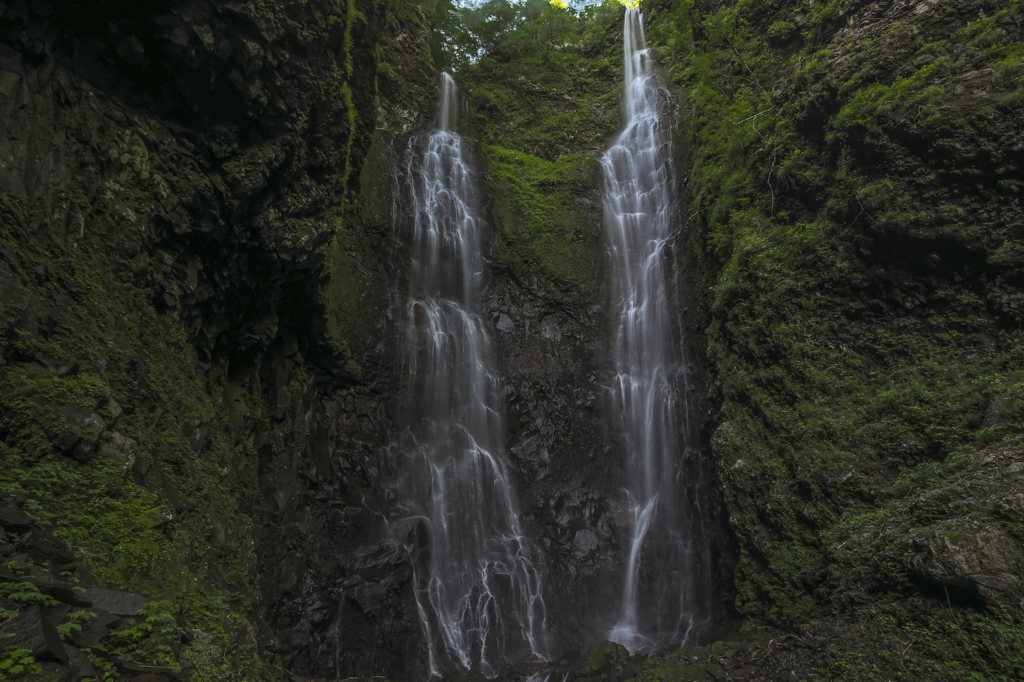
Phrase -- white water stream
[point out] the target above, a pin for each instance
(482, 603)
(661, 604)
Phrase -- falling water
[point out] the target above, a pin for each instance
(481, 603)
(664, 597)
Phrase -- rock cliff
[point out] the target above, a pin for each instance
(204, 218)
(187, 401)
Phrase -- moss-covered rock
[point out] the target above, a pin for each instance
(546, 218)
(602, 659)
(549, 88)
(171, 184)
(853, 224)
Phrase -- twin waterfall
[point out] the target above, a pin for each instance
(484, 605)
(481, 600)
(662, 600)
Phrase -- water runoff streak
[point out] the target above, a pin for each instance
(481, 603)
(663, 603)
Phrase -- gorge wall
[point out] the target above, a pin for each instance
(192, 383)
(855, 187)
(204, 218)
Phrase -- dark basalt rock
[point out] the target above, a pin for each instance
(79, 664)
(44, 547)
(56, 613)
(14, 521)
(115, 602)
(69, 593)
(30, 629)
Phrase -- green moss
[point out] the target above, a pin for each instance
(342, 296)
(971, 645)
(149, 537)
(878, 104)
(602, 659)
(669, 672)
(845, 391)
(549, 88)
(543, 228)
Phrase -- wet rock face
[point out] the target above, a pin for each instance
(228, 326)
(551, 353)
(199, 107)
(171, 180)
(549, 336)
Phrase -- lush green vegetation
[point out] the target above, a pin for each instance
(547, 82)
(862, 322)
(146, 533)
(542, 95)
(544, 230)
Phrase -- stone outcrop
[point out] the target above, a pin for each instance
(180, 400)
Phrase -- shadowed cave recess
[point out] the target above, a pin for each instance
(526, 341)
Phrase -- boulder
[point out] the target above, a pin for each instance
(602, 659)
(92, 429)
(79, 433)
(79, 663)
(118, 448)
(115, 601)
(584, 542)
(984, 561)
(30, 629)
(44, 547)
(14, 521)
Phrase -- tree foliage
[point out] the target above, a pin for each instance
(506, 29)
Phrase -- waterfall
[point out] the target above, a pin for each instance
(481, 602)
(664, 600)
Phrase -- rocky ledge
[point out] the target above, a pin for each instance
(72, 630)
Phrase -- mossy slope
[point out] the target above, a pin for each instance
(856, 215)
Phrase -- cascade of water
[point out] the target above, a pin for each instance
(664, 601)
(482, 603)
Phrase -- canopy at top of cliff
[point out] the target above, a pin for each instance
(467, 30)
(559, 3)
